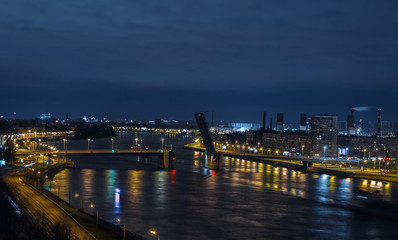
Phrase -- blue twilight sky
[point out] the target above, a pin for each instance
(151, 59)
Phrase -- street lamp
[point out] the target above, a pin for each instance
(96, 223)
(324, 151)
(81, 212)
(153, 232)
(65, 144)
(88, 144)
(112, 143)
(35, 143)
(162, 142)
(124, 229)
(136, 142)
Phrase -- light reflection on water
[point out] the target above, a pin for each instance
(248, 200)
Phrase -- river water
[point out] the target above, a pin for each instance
(247, 200)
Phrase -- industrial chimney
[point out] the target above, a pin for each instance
(379, 122)
(351, 123)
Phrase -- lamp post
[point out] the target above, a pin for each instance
(34, 148)
(88, 144)
(154, 232)
(65, 146)
(112, 143)
(162, 142)
(96, 223)
(124, 229)
(136, 142)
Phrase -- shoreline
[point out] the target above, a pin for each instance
(81, 223)
(298, 167)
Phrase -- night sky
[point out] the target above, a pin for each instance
(148, 59)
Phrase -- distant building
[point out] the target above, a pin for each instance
(324, 131)
(387, 128)
(287, 142)
(243, 127)
(279, 122)
(342, 127)
(396, 129)
(368, 147)
(45, 116)
(351, 124)
(303, 122)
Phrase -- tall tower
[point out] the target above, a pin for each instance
(279, 122)
(351, 123)
(379, 122)
(303, 122)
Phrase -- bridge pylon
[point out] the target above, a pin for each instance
(166, 160)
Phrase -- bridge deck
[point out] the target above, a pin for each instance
(82, 152)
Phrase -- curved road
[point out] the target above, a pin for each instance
(37, 204)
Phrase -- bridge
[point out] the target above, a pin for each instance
(215, 155)
(165, 157)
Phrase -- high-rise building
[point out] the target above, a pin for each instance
(303, 122)
(351, 123)
(279, 122)
(396, 129)
(324, 131)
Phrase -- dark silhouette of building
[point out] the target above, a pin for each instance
(279, 122)
(303, 122)
(351, 123)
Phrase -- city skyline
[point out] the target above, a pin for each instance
(152, 60)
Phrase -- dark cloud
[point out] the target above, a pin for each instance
(174, 57)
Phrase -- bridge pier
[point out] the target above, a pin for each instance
(215, 161)
(307, 164)
(166, 160)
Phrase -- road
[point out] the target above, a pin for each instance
(38, 204)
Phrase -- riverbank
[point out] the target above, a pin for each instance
(51, 212)
(317, 168)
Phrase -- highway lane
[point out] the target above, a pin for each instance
(38, 204)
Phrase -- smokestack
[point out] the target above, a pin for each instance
(263, 121)
(379, 122)
(270, 124)
(351, 123)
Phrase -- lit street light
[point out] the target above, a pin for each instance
(162, 142)
(96, 223)
(153, 232)
(124, 229)
(112, 143)
(88, 144)
(65, 146)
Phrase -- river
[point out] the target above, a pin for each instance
(247, 200)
